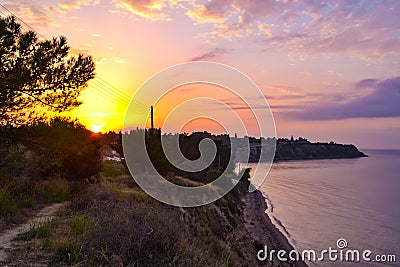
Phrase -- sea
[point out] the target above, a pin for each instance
(342, 204)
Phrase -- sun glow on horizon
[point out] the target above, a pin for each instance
(311, 80)
(96, 128)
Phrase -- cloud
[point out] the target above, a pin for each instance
(149, 9)
(52, 9)
(213, 11)
(100, 60)
(76, 51)
(239, 104)
(273, 107)
(367, 30)
(364, 29)
(119, 60)
(266, 29)
(367, 83)
(77, 4)
(210, 55)
(232, 18)
(382, 101)
(32, 13)
(36, 15)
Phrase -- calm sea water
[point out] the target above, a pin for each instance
(316, 202)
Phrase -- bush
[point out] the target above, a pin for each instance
(80, 225)
(109, 170)
(58, 147)
(130, 232)
(212, 175)
(55, 189)
(7, 202)
(15, 161)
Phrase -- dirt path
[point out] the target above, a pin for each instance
(7, 243)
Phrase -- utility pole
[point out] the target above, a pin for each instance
(152, 117)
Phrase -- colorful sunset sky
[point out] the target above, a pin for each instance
(330, 70)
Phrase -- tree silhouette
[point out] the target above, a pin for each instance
(36, 73)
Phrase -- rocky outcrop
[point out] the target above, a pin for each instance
(289, 151)
(303, 149)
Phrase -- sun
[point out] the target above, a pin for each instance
(96, 128)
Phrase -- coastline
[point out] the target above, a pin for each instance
(276, 160)
(262, 230)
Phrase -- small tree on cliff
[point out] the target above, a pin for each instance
(36, 74)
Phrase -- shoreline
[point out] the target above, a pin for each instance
(305, 159)
(262, 230)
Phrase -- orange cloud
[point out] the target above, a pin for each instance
(34, 15)
(206, 14)
(76, 4)
(149, 9)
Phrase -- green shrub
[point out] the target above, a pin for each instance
(38, 230)
(7, 202)
(142, 197)
(66, 250)
(109, 170)
(80, 225)
(27, 201)
(49, 148)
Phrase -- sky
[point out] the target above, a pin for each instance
(330, 70)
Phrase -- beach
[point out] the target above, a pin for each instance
(262, 230)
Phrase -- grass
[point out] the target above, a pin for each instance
(80, 225)
(47, 244)
(38, 230)
(7, 201)
(115, 223)
(66, 250)
(27, 201)
(139, 196)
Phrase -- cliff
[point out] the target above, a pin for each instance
(301, 149)
(316, 151)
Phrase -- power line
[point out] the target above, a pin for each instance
(23, 22)
(105, 95)
(107, 84)
(118, 92)
(101, 87)
(109, 92)
(100, 90)
(127, 103)
(4, 14)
